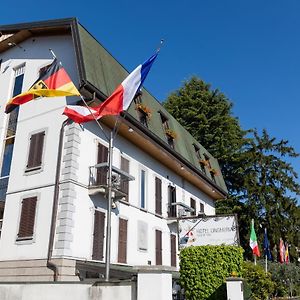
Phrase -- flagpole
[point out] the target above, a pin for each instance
(109, 193)
(254, 259)
(99, 125)
(109, 205)
(52, 52)
(266, 253)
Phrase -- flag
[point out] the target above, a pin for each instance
(287, 256)
(52, 82)
(281, 251)
(267, 251)
(253, 241)
(119, 100)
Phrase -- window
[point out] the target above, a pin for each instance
(173, 250)
(143, 189)
(164, 121)
(166, 127)
(9, 139)
(98, 236)
(193, 205)
(7, 156)
(102, 156)
(124, 187)
(35, 155)
(142, 111)
(172, 200)
(207, 161)
(158, 195)
(27, 218)
(212, 175)
(122, 249)
(171, 141)
(158, 247)
(143, 119)
(3, 188)
(198, 155)
(2, 205)
(201, 208)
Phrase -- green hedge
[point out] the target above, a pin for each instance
(203, 270)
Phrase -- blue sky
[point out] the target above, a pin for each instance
(250, 50)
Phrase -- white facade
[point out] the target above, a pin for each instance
(75, 217)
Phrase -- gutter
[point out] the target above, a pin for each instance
(50, 264)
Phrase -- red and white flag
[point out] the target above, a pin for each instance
(281, 251)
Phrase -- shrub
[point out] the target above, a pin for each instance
(261, 284)
(286, 278)
(203, 270)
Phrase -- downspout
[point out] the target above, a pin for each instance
(50, 264)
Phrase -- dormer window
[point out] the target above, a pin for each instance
(207, 161)
(212, 171)
(170, 134)
(143, 111)
(164, 121)
(200, 160)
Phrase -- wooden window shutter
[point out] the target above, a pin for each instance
(27, 218)
(201, 207)
(125, 184)
(158, 195)
(36, 150)
(173, 250)
(193, 205)
(122, 249)
(102, 172)
(98, 238)
(172, 199)
(158, 247)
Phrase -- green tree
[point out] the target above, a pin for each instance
(261, 183)
(269, 187)
(207, 115)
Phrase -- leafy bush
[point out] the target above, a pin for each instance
(261, 284)
(286, 278)
(203, 270)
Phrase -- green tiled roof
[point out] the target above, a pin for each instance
(104, 72)
(101, 71)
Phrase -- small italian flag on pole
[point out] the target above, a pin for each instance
(253, 242)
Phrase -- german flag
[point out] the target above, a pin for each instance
(53, 82)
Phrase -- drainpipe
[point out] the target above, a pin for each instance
(50, 264)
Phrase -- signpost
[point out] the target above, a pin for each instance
(208, 230)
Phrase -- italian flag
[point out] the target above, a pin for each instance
(253, 241)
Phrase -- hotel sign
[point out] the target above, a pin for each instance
(210, 230)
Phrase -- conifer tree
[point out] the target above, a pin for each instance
(261, 182)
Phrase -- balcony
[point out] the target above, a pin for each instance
(182, 211)
(98, 181)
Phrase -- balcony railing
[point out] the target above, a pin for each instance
(98, 181)
(179, 210)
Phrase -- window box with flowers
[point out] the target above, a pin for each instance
(144, 109)
(214, 172)
(171, 133)
(204, 162)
